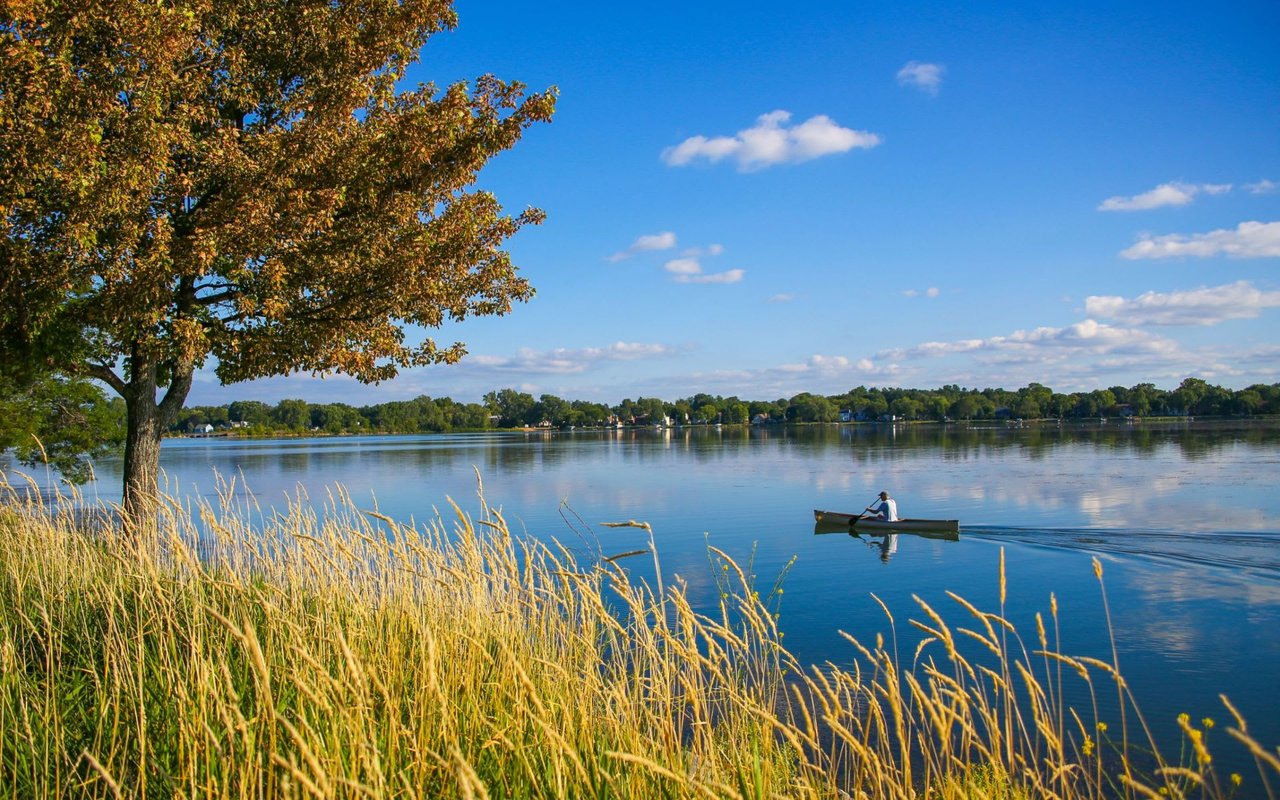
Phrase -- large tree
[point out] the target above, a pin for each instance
(243, 181)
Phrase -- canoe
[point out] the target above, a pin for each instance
(864, 524)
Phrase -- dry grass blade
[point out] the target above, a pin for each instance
(627, 554)
(349, 654)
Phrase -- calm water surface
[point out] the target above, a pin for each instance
(1185, 520)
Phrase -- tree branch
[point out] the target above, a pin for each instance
(220, 297)
(108, 376)
(176, 394)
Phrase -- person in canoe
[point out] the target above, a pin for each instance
(887, 509)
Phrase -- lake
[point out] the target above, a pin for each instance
(1185, 519)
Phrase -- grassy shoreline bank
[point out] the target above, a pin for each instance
(346, 655)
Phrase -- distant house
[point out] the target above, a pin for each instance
(200, 428)
(759, 419)
(846, 416)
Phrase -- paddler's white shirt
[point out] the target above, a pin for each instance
(888, 510)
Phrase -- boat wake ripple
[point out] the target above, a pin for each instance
(1258, 552)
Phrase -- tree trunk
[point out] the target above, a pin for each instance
(147, 421)
(141, 454)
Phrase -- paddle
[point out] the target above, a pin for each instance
(854, 521)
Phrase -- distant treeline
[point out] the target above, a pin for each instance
(509, 408)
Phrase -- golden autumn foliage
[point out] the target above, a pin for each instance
(247, 180)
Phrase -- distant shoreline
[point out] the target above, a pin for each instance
(976, 424)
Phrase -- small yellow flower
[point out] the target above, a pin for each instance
(1236, 779)
(1102, 727)
(1197, 740)
(1164, 790)
(1207, 722)
(1088, 745)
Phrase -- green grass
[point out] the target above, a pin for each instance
(345, 655)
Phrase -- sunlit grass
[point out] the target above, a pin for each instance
(252, 654)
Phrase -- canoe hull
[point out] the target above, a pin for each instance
(864, 524)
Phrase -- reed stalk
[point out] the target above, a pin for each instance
(340, 653)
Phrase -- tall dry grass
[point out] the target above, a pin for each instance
(249, 654)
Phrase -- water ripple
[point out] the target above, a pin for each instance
(1255, 551)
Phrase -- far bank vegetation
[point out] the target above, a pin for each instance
(509, 408)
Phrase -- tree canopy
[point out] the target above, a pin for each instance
(244, 181)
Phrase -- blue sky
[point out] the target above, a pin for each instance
(762, 199)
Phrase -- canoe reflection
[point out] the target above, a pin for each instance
(884, 542)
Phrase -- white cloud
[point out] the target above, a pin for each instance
(566, 361)
(689, 268)
(699, 252)
(922, 75)
(1248, 240)
(683, 266)
(771, 142)
(1203, 306)
(1087, 337)
(630, 351)
(728, 276)
(825, 366)
(1078, 357)
(783, 297)
(932, 291)
(654, 241)
(822, 362)
(1166, 194)
(819, 374)
(1264, 186)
